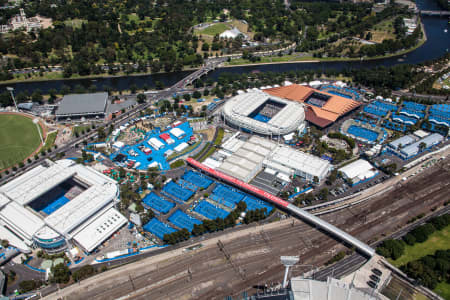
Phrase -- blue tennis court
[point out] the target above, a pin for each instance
(261, 118)
(156, 202)
(340, 94)
(253, 203)
(55, 205)
(222, 201)
(158, 228)
(177, 191)
(197, 179)
(362, 132)
(227, 193)
(210, 211)
(182, 220)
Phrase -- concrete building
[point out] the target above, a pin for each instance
(244, 159)
(79, 106)
(57, 204)
(260, 113)
(414, 148)
(292, 162)
(358, 171)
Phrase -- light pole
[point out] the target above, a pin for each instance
(10, 89)
(36, 121)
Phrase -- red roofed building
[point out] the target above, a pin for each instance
(322, 109)
(166, 138)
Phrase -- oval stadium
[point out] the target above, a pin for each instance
(261, 113)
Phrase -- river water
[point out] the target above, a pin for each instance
(437, 44)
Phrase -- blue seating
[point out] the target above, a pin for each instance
(154, 201)
(183, 220)
(197, 179)
(412, 113)
(395, 126)
(177, 191)
(210, 211)
(158, 228)
(404, 119)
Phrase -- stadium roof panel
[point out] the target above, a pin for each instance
(75, 211)
(334, 107)
(289, 117)
(31, 185)
(19, 218)
(100, 229)
(78, 104)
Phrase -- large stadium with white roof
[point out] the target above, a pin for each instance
(261, 113)
(58, 204)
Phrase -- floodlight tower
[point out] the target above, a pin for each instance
(11, 90)
(288, 261)
(36, 121)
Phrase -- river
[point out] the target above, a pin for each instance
(437, 44)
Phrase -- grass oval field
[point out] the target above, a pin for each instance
(19, 138)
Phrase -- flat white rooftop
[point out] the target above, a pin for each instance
(19, 218)
(81, 207)
(301, 161)
(100, 229)
(35, 183)
(358, 170)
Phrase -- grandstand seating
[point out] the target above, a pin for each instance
(177, 191)
(197, 179)
(404, 119)
(210, 211)
(158, 228)
(183, 220)
(394, 126)
(156, 202)
(228, 193)
(412, 113)
(440, 114)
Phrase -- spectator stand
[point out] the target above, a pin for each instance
(155, 202)
(395, 126)
(404, 119)
(183, 220)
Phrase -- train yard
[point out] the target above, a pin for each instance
(247, 258)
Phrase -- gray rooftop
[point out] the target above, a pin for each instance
(403, 141)
(79, 104)
(115, 107)
(429, 141)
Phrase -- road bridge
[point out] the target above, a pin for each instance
(434, 12)
(300, 213)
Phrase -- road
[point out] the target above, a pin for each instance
(254, 252)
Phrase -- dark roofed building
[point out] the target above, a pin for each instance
(75, 106)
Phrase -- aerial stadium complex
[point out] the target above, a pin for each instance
(59, 204)
(321, 108)
(261, 113)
